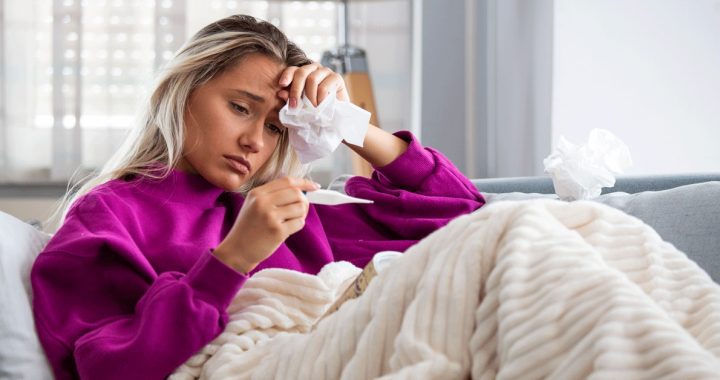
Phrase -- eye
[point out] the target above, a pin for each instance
(274, 129)
(239, 108)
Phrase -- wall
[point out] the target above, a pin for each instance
(647, 70)
(502, 80)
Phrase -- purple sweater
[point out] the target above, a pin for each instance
(128, 287)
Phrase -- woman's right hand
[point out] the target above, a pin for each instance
(270, 214)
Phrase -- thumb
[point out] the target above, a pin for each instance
(307, 185)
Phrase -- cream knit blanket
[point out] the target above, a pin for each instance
(516, 290)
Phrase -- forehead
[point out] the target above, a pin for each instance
(255, 73)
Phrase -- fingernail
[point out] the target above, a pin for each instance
(293, 102)
(317, 185)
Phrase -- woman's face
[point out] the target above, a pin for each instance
(232, 124)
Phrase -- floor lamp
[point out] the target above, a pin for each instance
(351, 62)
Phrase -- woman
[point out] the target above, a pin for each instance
(154, 248)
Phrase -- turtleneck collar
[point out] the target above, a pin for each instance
(182, 187)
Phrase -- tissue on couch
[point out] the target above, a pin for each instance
(580, 172)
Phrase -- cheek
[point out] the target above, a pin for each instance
(204, 133)
(195, 139)
(271, 143)
(190, 138)
(195, 126)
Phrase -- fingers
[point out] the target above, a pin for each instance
(302, 184)
(298, 83)
(294, 225)
(283, 197)
(314, 80)
(292, 80)
(286, 196)
(292, 211)
(286, 78)
(285, 207)
(287, 75)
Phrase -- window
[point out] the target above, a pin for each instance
(74, 74)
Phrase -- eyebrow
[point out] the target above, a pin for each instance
(256, 98)
(250, 95)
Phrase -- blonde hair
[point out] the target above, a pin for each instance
(158, 137)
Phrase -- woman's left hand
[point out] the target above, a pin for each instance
(314, 80)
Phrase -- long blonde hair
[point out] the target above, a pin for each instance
(158, 137)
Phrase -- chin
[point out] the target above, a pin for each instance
(233, 182)
(227, 180)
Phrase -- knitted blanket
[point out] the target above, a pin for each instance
(515, 290)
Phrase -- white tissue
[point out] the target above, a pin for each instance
(580, 172)
(315, 132)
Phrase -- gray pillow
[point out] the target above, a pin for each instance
(686, 216)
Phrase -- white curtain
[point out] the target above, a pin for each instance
(519, 87)
(74, 74)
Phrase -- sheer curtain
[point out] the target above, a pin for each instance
(73, 74)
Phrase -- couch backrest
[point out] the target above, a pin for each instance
(626, 184)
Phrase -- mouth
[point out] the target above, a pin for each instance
(238, 164)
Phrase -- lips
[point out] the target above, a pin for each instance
(238, 163)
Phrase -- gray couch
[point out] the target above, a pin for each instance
(683, 209)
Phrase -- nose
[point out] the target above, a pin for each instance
(252, 139)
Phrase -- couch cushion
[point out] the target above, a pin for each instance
(686, 216)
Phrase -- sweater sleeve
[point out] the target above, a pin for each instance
(414, 195)
(102, 312)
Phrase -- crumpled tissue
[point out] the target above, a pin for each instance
(315, 132)
(580, 172)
